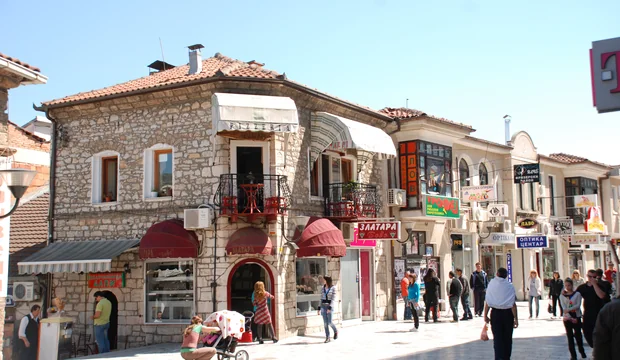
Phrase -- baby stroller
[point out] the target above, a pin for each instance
(232, 326)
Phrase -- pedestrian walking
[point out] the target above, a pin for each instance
(593, 301)
(431, 294)
(577, 279)
(607, 332)
(262, 318)
(501, 300)
(456, 290)
(328, 305)
(604, 284)
(534, 291)
(191, 335)
(570, 301)
(465, 295)
(414, 298)
(610, 272)
(479, 283)
(556, 285)
(101, 321)
(404, 286)
(28, 333)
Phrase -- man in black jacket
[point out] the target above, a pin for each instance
(456, 289)
(29, 334)
(465, 295)
(479, 283)
(556, 285)
(607, 332)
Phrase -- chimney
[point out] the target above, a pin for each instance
(507, 119)
(195, 59)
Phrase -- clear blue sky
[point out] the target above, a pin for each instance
(466, 60)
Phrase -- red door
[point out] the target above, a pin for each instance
(365, 280)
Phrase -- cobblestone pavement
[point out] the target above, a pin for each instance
(540, 339)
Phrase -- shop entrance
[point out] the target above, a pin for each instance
(492, 258)
(113, 331)
(366, 280)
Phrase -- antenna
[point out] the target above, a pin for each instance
(407, 103)
(163, 59)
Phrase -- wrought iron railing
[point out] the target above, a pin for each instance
(351, 200)
(240, 194)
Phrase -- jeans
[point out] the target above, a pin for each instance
(414, 312)
(454, 306)
(327, 321)
(502, 325)
(556, 301)
(430, 306)
(589, 321)
(479, 295)
(101, 337)
(466, 309)
(573, 332)
(532, 298)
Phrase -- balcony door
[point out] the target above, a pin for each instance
(250, 162)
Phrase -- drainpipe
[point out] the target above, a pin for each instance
(52, 182)
(397, 120)
(214, 283)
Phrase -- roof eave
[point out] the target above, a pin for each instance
(30, 76)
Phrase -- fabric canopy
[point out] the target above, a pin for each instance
(240, 112)
(321, 238)
(337, 133)
(75, 257)
(168, 239)
(249, 240)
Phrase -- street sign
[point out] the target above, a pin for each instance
(532, 241)
(509, 266)
(498, 210)
(384, 230)
(562, 227)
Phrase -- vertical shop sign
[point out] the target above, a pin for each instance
(509, 266)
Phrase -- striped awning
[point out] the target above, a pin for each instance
(337, 133)
(75, 257)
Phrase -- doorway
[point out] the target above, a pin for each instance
(366, 280)
(350, 282)
(113, 331)
(249, 160)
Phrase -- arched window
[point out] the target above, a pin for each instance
(483, 174)
(463, 173)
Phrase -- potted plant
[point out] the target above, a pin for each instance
(349, 189)
(108, 197)
(166, 190)
(154, 193)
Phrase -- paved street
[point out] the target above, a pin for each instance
(540, 339)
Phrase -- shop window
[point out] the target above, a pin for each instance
(532, 197)
(463, 173)
(158, 163)
(309, 276)
(520, 194)
(483, 174)
(549, 262)
(425, 168)
(105, 177)
(170, 291)
(416, 245)
(578, 186)
(331, 168)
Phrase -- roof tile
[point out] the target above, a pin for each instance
(573, 159)
(19, 62)
(407, 114)
(28, 231)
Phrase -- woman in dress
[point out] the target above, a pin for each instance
(534, 291)
(328, 305)
(191, 335)
(262, 316)
(577, 279)
(431, 295)
(571, 303)
(414, 298)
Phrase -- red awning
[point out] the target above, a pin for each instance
(321, 238)
(249, 240)
(168, 239)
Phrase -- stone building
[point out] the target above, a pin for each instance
(263, 152)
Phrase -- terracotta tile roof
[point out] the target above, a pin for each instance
(573, 159)
(19, 62)
(28, 231)
(407, 114)
(218, 65)
(27, 133)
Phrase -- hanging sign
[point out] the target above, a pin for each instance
(359, 242)
(106, 280)
(527, 223)
(384, 230)
(441, 206)
(532, 241)
(593, 223)
(509, 266)
(584, 201)
(478, 193)
(457, 242)
(498, 210)
(562, 227)
(499, 239)
(527, 173)
(585, 239)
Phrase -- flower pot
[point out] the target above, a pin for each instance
(153, 194)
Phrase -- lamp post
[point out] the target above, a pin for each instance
(18, 181)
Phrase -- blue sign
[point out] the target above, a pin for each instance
(509, 266)
(9, 297)
(532, 241)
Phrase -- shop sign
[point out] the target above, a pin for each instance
(106, 280)
(478, 193)
(527, 173)
(509, 266)
(574, 251)
(527, 223)
(441, 206)
(457, 242)
(593, 223)
(428, 251)
(500, 239)
(498, 210)
(584, 201)
(584, 239)
(532, 241)
(597, 247)
(359, 242)
(9, 297)
(562, 227)
(383, 230)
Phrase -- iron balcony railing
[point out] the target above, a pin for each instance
(351, 200)
(240, 194)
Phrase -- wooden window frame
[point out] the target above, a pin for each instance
(104, 176)
(156, 154)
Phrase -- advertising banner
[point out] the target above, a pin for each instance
(441, 206)
(479, 193)
(527, 173)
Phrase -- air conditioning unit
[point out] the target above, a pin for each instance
(547, 229)
(480, 214)
(23, 291)
(198, 218)
(397, 197)
(507, 226)
(348, 230)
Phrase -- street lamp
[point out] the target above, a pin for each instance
(18, 181)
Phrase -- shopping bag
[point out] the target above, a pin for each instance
(484, 336)
(550, 308)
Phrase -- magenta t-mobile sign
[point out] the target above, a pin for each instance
(604, 67)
